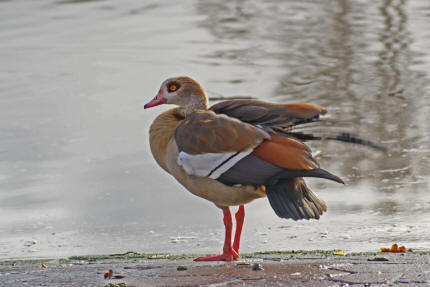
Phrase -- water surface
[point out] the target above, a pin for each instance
(76, 174)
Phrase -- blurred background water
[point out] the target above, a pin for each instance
(76, 173)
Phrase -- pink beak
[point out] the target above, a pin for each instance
(157, 100)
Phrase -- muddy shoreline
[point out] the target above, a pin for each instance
(292, 268)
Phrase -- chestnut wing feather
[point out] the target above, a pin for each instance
(206, 132)
(275, 159)
(286, 153)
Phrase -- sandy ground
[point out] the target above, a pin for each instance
(316, 268)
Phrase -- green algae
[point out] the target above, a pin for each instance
(24, 261)
(316, 252)
(133, 255)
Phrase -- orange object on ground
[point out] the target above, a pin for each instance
(394, 248)
(108, 275)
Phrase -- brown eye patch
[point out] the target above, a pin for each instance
(173, 86)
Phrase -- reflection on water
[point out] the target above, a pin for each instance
(75, 170)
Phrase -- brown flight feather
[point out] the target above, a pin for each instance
(267, 114)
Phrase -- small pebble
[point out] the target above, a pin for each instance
(257, 267)
(30, 243)
(182, 268)
(122, 284)
(346, 236)
(378, 259)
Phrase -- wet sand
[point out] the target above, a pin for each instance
(303, 268)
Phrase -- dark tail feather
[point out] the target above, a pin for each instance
(321, 173)
(291, 198)
(338, 136)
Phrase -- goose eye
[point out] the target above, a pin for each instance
(173, 87)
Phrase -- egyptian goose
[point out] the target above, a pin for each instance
(237, 151)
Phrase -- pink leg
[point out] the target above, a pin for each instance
(240, 216)
(227, 250)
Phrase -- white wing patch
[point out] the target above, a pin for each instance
(210, 165)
